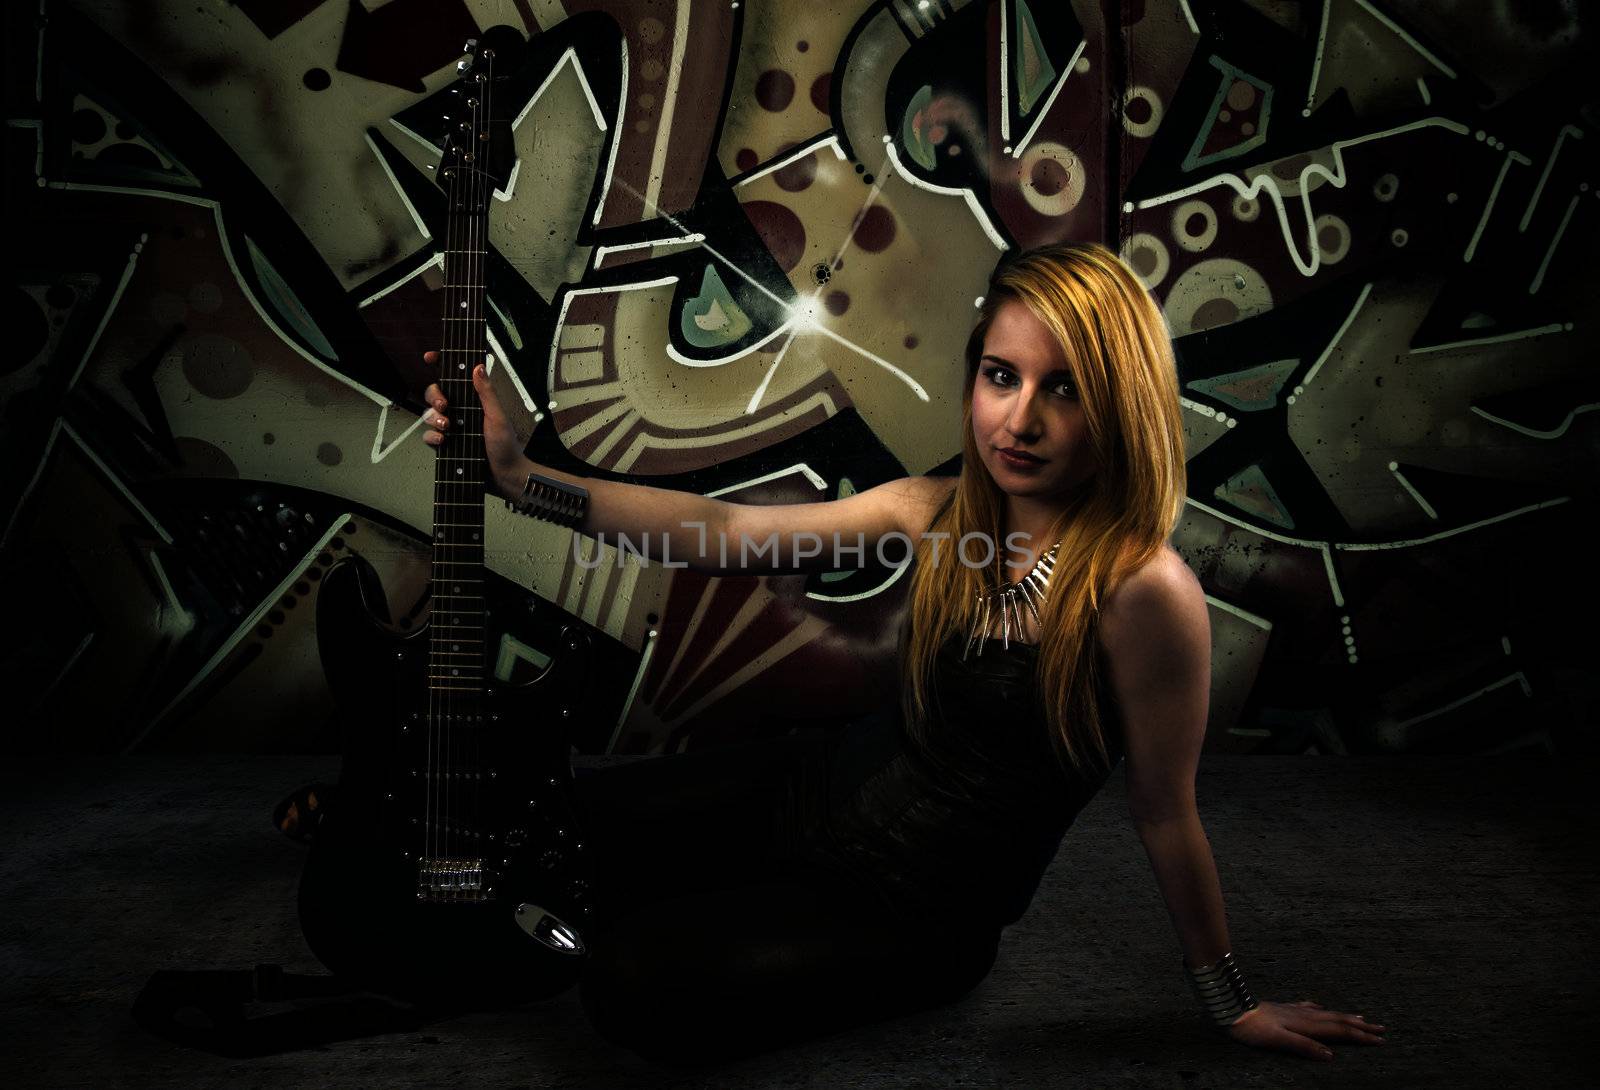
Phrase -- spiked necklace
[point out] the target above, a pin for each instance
(1008, 602)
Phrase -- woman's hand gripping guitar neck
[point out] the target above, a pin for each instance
(501, 446)
(646, 515)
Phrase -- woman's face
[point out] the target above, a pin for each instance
(1024, 400)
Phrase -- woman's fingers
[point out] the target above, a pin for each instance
(1287, 1040)
(1338, 1026)
(1341, 1031)
(1343, 1018)
(434, 420)
(433, 395)
(1301, 1028)
(494, 417)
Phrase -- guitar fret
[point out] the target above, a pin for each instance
(457, 639)
(456, 688)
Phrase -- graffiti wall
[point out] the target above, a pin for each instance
(738, 253)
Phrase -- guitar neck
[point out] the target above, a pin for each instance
(456, 657)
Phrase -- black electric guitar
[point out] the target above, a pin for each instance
(448, 866)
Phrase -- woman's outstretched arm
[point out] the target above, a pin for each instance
(1157, 639)
(706, 534)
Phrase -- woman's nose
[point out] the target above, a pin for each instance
(1023, 418)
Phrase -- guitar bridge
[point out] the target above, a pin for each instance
(452, 880)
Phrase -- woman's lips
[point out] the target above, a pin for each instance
(1016, 462)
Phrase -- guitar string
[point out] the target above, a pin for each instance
(463, 373)
(479, 453)
(435, 709)
(455, 349)
(479, 228)
(439, 517)
(461, 704)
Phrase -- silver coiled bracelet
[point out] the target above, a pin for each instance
(551, 500)
(1221, 990)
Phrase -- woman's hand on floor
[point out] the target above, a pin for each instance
(1301, 1028)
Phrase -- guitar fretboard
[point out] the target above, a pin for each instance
(456, 652)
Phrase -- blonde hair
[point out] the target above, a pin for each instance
(1120, 353)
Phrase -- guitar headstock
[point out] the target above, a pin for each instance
(475, 158)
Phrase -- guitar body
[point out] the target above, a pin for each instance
(448, 867)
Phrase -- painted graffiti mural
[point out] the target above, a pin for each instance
(738, 254)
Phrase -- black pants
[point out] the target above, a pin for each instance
(717, 939)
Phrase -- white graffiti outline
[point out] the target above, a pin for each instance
(1544, 175)
(1322, 41)
(1338, 178)
(245, 627)
(1038, 119)
(1534, 433)
(1494, 193)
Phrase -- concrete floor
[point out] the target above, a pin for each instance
(1453, 899)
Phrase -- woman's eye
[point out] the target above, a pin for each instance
(997, 375)
(1066, 389)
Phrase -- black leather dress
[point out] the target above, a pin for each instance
(966, 821)
(762, 894)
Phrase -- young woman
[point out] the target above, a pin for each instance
(764, 893)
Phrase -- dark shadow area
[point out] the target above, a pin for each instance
(1451, 898)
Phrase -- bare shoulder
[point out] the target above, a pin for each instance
(1159, 596)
